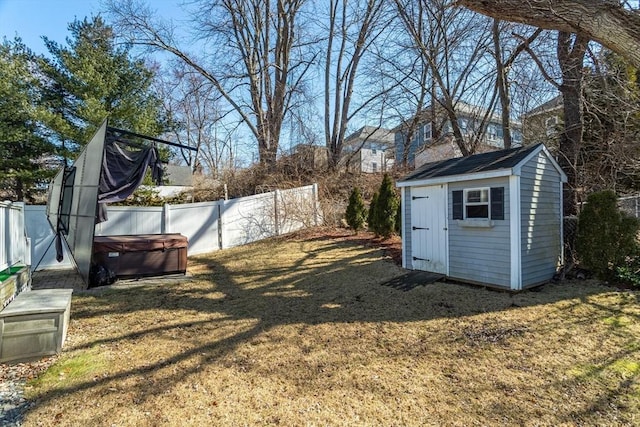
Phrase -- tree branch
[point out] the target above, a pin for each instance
(606, 22)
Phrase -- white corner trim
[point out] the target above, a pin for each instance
(515, 233)
(445, 190)
(561, 224)
(403, 218)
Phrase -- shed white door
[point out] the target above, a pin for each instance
(429, 228)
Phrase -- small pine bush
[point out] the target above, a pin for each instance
(371, 216)
(607, 237)
(386, 207)
(356, 211)
(398, 229)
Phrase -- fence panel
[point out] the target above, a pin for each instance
(631, 205)
(209, 226)
(197, 221)
(248, 219)
(297, 209)
(132, 220)
(43, 253)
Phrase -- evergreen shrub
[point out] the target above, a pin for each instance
(371, 220)
(356, 211)
(385, 209)
(607, 237)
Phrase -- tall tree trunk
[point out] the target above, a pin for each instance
(502, 82)
(571, 51)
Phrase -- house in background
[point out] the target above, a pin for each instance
(308, 156)
(492, 219)
(433, 139)
(176, 179)
(543, 123)
(369, 150)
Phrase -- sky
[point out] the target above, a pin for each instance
(31, 19)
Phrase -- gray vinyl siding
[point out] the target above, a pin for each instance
(540, 187)
(406, 224)
(480, 255)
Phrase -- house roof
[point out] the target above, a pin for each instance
(485, 162)
(552, 104)
(178, 175)
(462, 110)
(371, 134)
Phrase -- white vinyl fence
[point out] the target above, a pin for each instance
(631, 205)
(209, 226)
(14, 246)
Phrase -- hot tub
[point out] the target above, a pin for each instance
(141, 255)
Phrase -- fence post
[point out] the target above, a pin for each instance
(21, 235)
(276, 215)
(165, 226)
(316, 208)
(220, 205)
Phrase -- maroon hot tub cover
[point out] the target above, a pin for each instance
(142, 254)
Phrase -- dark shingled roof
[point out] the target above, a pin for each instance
(494, 160)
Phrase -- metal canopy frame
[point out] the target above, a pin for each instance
(74, 220)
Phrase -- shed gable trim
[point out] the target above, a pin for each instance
(517, 169)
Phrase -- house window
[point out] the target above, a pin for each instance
(374, 167)
(492, 133)
(550, 125)
(517, 136)
(487, 203)
(373, 151)
(427, 131)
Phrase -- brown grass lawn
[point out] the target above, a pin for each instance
(302, 332)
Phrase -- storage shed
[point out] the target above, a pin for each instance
(491, 219)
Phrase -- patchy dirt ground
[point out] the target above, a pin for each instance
(302, 330)
(392, 246)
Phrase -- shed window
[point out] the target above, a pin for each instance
(485, 203)
(476, 203)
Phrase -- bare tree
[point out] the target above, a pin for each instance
(352, 28)
(611, 155)
(611, 23)
(503, 68)
(256, 50)
(455, 45)
(197, 120)
(409, 76)
(570, 56)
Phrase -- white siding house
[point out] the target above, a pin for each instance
(492, 219)
(370, 150)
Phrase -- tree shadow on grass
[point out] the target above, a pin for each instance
(328, 282)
